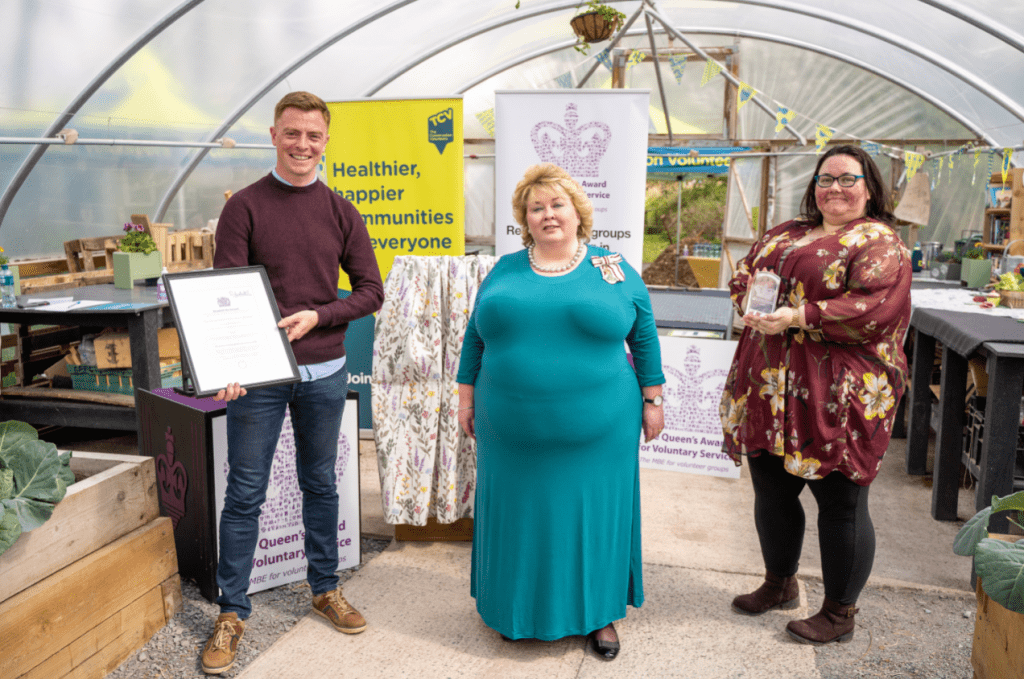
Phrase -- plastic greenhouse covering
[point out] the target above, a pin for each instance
(188, 73)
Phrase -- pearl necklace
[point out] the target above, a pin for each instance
(556, 269)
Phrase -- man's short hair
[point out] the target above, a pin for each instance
(304, 101)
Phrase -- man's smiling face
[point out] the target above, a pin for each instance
(300, 138)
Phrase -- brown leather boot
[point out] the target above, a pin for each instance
(834, 622)
(776, 592)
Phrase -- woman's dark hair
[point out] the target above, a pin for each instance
(879, 205)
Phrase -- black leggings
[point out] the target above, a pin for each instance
(846, 535)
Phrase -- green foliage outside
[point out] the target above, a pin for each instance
(654, 244)
(702, 214)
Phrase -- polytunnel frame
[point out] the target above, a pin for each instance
(646, 6)
(953, 9)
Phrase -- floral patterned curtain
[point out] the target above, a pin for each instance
(427, 464)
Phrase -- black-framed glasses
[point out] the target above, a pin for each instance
(845, 180)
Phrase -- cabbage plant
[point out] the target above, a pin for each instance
(34, 477)
(998, 563)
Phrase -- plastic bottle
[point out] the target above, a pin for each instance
(686, 251)
(161, 292)
(7, 287)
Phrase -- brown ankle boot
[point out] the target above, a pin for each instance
(834, 622)
(776, 592)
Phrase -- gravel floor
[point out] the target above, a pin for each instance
(902, 633)
(173, 652)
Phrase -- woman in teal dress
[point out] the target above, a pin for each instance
(547, 389)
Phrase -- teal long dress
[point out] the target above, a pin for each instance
(556, 534)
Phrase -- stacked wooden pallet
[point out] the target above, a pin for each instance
(89, 587)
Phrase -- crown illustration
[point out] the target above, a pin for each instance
(576, 149)
(173, 481)
(693, 395)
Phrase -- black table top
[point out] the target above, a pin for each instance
(963, 331)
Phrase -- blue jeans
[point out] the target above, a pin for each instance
(254, 425)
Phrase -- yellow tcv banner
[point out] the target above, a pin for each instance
(400, 163)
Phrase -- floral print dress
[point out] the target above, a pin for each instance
(824, 399)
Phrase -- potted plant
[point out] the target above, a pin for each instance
(595, 22)
(137, 257)
(976, 269)
(999, 564)
(946, 267)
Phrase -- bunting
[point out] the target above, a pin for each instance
(678, 64)
(977, 157)
(603, 57)
(1007, 157)
(711, 69)
(914, 161)
(822, 135)
(870, 148)
(486, 119)
(783, 117)
(755, 213)
(564, 81)
(635, 57)
(745, 93)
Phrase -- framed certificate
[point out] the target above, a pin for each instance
(227, 322)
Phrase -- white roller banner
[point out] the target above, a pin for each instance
(695, 374)
(598, 136)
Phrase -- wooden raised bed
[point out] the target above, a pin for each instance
(89, 587)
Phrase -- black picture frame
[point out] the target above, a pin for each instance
(191, 331)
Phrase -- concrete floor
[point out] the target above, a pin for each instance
(700, 550)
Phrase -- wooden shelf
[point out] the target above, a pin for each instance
(1014, 214)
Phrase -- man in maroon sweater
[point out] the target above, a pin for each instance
(301, 232)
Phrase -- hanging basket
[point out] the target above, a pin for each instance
(593, 27)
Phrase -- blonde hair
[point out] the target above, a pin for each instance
(304, 101)
(551, 177)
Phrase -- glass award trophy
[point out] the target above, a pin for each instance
(762, 293)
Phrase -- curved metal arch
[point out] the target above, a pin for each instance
(757, 35)
(61, 121)
(926, 55)
(462, 37)
(978, 20)
(935, 60)
(260, 92)
(896, 41)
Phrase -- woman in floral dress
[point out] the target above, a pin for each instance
(813, 388)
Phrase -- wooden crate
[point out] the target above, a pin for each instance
(89, 587)
(188, 250)
(81, 252)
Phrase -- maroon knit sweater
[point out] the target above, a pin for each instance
(301, 234)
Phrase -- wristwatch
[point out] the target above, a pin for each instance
(656, 401)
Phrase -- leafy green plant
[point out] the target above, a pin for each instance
(34, 477)
(947, 256)
(974, 253)
(1010, 281)
(611, 16)
(136, 240)
(3, 257)
(999, 564)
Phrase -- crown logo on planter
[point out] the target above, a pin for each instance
(173, 481)
(577, 149)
